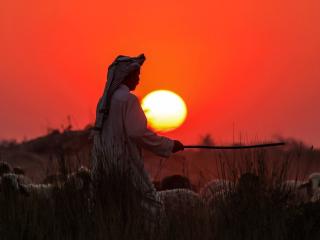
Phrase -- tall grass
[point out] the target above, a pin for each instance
(255, 206)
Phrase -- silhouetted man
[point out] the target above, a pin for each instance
(121, 125)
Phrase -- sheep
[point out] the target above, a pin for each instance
(175, 182)
(298, 190)
(312, 186)
(305, 191)
(11, 183)
(156, 185)
(184, 208)
(248, 182)
(314, 180)
(55, 179)
(292, 184)
(5, 168)
(81, 177)
(44, 191)
(316, 196)
(215, 189)
(79, 181)
(18, 171)
(179, 199)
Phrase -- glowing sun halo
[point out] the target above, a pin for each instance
(164, 110)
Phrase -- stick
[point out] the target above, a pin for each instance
(237, 147)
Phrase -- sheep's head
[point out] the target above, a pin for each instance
(18, 171)
(85, 174)
(156, 184)
(316, 196)
(174, 182)
(312, 185)
(80, 179)
(314, 180)
(5, 168)
(249, 182)
(10, 184)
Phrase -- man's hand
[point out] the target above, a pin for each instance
(177, 146)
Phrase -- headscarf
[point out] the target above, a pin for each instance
(121, 67)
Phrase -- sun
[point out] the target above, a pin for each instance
(165, 110)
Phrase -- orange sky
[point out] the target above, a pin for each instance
(245, 62)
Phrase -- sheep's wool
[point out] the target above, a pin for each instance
(214, 189)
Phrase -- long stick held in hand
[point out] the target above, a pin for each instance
(237, 147)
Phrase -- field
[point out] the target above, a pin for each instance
(254, 205)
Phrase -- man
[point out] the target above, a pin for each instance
(121, 125)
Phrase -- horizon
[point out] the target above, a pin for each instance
(201, 138)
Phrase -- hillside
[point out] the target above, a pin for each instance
(42, 156)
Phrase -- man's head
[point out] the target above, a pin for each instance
(123, 70)
(132, 79)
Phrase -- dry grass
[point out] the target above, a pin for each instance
(254, 207)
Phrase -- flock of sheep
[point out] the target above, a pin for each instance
(175, 192)
(181, 195)
(14, 181)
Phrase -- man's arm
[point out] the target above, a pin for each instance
(136, 127)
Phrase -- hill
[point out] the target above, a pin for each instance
(47, 154)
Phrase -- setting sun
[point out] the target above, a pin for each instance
(164, 110)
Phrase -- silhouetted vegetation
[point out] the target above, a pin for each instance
(253, 202)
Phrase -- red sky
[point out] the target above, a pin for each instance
(251, 64)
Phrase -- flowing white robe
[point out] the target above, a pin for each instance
(123, 136)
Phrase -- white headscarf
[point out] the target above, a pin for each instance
(121, 67)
